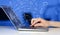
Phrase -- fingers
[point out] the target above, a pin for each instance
(38, 24)
(36, 20)
(33, 21)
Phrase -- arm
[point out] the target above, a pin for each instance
(54, 23)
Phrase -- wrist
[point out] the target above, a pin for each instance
(48, 22)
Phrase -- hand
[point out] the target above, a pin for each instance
(37, 22)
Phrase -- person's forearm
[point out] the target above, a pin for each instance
(54, 23)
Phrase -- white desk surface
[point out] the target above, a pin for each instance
(7, 30)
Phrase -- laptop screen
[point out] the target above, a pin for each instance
(12, 16)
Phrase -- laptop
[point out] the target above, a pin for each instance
(17, 23)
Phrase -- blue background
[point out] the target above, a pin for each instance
(47, 9)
